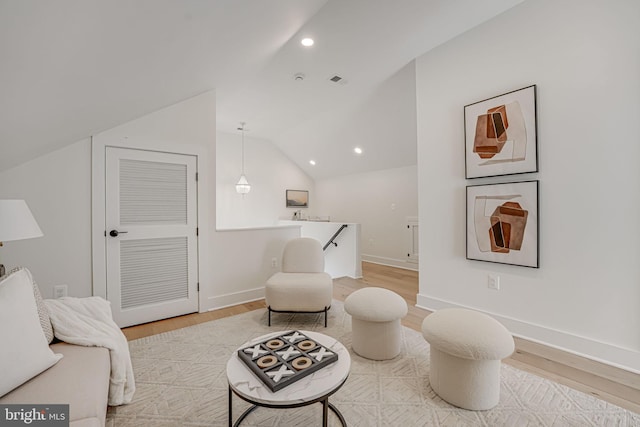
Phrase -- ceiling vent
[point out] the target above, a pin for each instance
(338, 80)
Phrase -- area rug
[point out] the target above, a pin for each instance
(181, 381)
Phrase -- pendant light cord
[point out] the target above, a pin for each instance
(242, 129)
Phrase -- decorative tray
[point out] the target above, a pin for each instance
(286, 358)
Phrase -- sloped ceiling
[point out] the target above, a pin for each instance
(72, 68)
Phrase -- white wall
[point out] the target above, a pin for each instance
(380, 201)
(57, 188)
(270, 174)
(342, 258)
(243, 264)
(585, 58)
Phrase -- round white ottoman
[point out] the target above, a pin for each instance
(466, 348)
(376, 314)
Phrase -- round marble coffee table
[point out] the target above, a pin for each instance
(314, 388)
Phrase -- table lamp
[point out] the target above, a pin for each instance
(16, 223)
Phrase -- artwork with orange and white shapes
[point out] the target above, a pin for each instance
(502, 223)
(500, 135)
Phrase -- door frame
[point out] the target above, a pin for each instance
(99, 144)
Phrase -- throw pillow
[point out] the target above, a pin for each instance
(24, 352)
(43, 312)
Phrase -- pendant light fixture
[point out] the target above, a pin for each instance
(242, 187)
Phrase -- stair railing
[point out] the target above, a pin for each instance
(331, 240)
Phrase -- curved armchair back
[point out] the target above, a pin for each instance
(303, 255)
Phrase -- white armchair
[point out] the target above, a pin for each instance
(302, 286)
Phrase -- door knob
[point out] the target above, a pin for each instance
(114, 233)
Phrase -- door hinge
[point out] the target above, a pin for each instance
(196, 176)
(198, 286)
(105, 233)
(197, 231)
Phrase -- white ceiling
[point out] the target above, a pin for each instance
(72, 68)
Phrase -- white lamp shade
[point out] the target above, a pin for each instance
(16, 221)
(243, 186)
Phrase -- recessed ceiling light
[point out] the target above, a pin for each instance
(307, 42)
(312, 162)
(357, 150)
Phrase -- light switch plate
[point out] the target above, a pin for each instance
(494, 282)
(60, 291)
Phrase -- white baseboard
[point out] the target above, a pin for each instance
(602, 352)
(391, 262)
(228, 300)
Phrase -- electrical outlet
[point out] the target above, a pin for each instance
(494, 282)
(60, 291)
(274, 262)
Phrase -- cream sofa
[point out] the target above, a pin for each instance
(80, 378)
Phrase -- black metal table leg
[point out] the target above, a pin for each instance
(338, 414)
(230, 409)
(325, 412)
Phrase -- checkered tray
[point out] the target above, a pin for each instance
(286, 358)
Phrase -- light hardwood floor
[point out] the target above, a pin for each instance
(612, 384)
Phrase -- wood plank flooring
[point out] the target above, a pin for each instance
(609, 383)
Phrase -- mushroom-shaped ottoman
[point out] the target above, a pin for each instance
(376, 314)
(466, 350)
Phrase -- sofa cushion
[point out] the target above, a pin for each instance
(24, 351)
(43, 313)
(80, 379)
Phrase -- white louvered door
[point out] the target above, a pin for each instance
(151, 235)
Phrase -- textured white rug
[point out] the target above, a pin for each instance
(181, 381)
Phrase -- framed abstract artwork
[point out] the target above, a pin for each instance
(501, 135)
(297, 198)
(502, 223)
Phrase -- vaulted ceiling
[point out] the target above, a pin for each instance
(72, 68)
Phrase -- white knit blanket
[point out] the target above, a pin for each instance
(88, 322)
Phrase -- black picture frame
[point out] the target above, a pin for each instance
(501, 135)
(503, 223)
